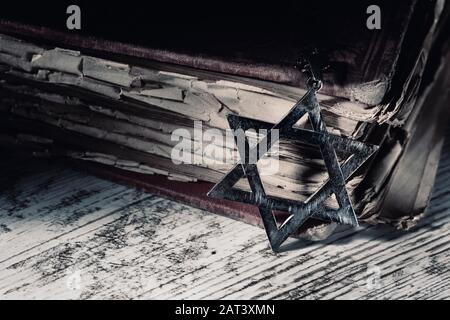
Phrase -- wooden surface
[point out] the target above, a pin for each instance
(67, 234)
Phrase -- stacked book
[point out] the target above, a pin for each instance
(162, 110)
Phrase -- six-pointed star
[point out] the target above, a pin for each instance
(329, 144)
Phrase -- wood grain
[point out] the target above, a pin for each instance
(57, 225)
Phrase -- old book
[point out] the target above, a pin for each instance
(119, 101)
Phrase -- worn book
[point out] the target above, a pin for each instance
(146, 101)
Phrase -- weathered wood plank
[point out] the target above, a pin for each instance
(65, 234)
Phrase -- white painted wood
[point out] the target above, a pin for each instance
(58, 226)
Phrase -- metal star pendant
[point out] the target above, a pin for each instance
(313, 207)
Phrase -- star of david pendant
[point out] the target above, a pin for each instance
(330, 145)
